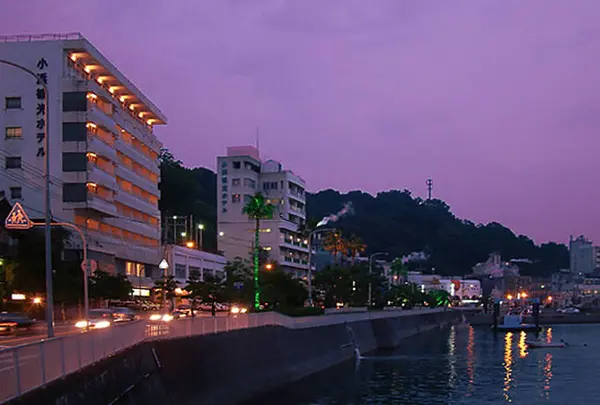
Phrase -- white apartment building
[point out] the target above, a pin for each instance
(183, 261)
(102, 150)
(584, 256)
(240, 174)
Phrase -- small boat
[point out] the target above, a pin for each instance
(514, 323)
(536, 344)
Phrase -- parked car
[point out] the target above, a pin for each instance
(11, 322)
(122, 314)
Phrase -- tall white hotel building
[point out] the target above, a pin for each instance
(240, 174)
(103, 153)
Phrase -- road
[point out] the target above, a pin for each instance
(36, 333)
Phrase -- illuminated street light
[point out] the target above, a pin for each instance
(189, 244)
(37, 300)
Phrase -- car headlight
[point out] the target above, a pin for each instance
(155, 317)
(167, 318)
(235, 310)
(81, 324)
(102, 325)
(244, 310)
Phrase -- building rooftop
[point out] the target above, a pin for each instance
(85, 56)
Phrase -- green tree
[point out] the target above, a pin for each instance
(165, 287)
(280, 290)
(238, 282)
(104, 286)
(210, 291)
(333, 284)
(257, 208)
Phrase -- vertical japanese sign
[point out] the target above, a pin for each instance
(224, 187)
(40, 109)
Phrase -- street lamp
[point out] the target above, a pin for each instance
(369, 302)
(200, 236)
(164, 266)
(308, 273)
(48, 219)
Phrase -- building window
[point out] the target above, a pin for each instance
(249, 183)
(235, 182)
(247, 198)
(13, 132)
(74, 132)
(179, 270)
(236, 198)
(74, 192)
(270, 185)
(75, 101)
(237, 165)
(13, 162)
(12, 103)
(74, 162)
(195, 272)
(135, 269)
(16, 193)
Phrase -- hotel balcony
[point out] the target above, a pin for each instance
(137, 203)
(129, 174)
(103, 205)
(101, 177)
(101, 147)
(294, 244)
(133, 225)
(138, 156)
(122, 248)
(291, 261)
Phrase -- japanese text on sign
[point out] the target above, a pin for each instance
(224, 188)
(40, 111)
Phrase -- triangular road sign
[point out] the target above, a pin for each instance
(17, 218)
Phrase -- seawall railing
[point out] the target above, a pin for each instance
(32, 365)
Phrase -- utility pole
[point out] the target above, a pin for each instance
(429, 183)
(370, 302)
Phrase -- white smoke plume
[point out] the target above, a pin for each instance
(346, 210)
(415, 257)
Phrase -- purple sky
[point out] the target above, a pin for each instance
(498, 101)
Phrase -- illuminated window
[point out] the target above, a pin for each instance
(13, 132)
(236, 198)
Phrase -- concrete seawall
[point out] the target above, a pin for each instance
(227, 368)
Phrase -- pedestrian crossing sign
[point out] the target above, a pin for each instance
(17, 218)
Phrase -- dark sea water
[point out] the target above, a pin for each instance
(462, 365)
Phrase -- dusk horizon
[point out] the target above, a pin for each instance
(495, 101)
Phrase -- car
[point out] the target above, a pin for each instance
(161, 317)
(98, 319)
(185, 310)
(122, 314)
(11, 322)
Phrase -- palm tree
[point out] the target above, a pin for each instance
(356, 246)
(257, 208)
(334, 243)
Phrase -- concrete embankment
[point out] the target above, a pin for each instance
(227, 368)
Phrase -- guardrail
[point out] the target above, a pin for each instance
(29, 366)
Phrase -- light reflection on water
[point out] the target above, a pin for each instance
(461, 365)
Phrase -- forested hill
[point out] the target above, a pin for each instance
(397, 223)
(392, 222)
